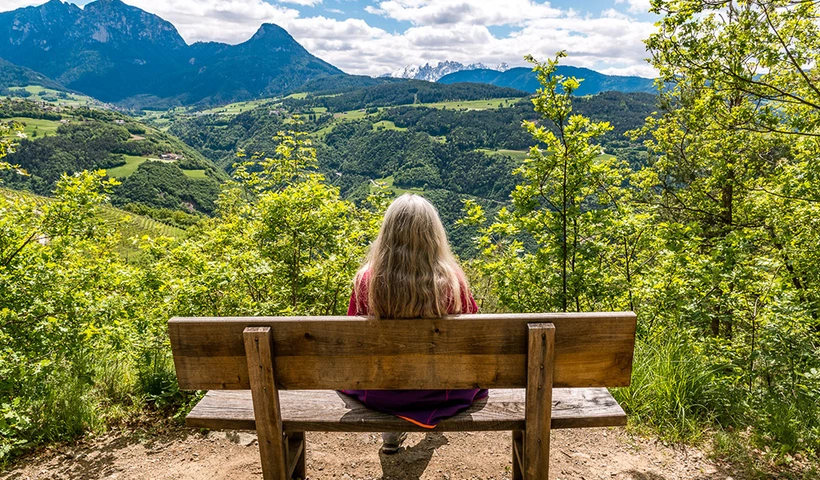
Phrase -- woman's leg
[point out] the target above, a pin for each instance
(391, 441)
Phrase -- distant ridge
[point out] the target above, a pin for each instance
(523, 78)
(119, 53)
(12, 75)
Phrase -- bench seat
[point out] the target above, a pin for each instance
(328, 410)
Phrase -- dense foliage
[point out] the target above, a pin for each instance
(733, 181)
(713, 241)
(12, 75)
(83, 333)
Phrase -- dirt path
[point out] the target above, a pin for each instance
(186, 454)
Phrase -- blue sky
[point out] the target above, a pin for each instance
(378, 36)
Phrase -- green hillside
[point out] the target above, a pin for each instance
(50, 95)
(156, 169)
(130, 226)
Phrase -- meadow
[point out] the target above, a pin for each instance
(132, 163)
(238, 107)
(33, 127)
(58, 98)
(389, 184)
(489, 104)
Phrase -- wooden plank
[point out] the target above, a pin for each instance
(265, 402)
(538, 413)
(296, 455)
(517, 454)
(591, 350)
(329, 411)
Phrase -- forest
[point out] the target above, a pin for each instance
(704, 220)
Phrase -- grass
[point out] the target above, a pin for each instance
(489, 104)
(389, 182)
(673, 390)
(195, 173)
(132, 162)
(387, 125)
(322, 132)
(49, 95)
(351, 115)
(515, 154)
(238, 107)
(32, 125)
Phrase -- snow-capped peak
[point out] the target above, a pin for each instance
(432, 74)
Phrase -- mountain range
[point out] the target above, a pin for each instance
(522, 78)
(119, 53)
(433, 73)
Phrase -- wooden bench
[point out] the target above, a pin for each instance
(544, 371)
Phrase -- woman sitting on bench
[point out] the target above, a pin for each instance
(410, 272)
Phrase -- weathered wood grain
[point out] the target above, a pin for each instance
(265, 399)
(591, 350)
(330, 411)
(538, 409)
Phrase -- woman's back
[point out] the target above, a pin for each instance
(410, 272)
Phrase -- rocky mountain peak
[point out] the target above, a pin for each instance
(433, 73)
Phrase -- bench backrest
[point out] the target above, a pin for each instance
(465, 351)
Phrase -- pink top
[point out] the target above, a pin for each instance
(358, 300)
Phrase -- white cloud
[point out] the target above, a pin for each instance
(229, 21)
(644, 70)
(448, 12)
(636, 6)
(15, 4)
(307, 3)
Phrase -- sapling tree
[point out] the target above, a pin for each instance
(554, 249)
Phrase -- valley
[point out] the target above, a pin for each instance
(465, 147)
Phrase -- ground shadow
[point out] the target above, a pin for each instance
(719, 472)
(410, 463)
(636, 475)
(80, 460)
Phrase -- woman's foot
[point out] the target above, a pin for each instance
(391, 441)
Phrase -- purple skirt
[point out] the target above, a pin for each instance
(425, 408)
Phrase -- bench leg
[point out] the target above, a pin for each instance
(517, 454)
(538, 413)
(259, 354)
(296, 455)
